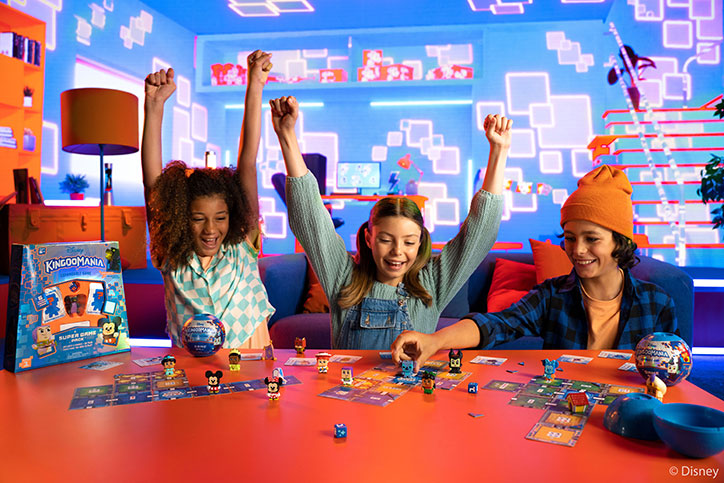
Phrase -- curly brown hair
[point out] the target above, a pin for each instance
(171, 197)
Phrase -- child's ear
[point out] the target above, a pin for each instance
(368, 238)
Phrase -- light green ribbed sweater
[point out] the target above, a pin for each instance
(442, 277)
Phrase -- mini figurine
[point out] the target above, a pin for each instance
(655, 387)
(110, 329)
(456, 361)
(273, 386)
(428, 382)
(234, 360)
(347, 376)
(169, 365)
(214, 381)
(473, 387)
(279, 372)
(577, 402)
(300, 344)
(323, 362)
(44, 340)
(549, 369)
(340, 430)
(407, 368)
(269, 352)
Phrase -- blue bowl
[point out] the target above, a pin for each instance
(690, 429)
(632, 416)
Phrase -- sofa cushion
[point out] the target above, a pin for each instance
(511, 280)
(315, 302)
(314, 327)
(550, 260)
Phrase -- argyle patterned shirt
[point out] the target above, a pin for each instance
(229, 289)
(554, 311)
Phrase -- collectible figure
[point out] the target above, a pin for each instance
(347, 376)
(214, 381)
(655, 387)
(269, 352)
(300, 344)
(44, 340)
(279, 372)
(428, 382)
(549, 369)
(407, 368)
(273, 386)
(577, 402)
(323, 362)
(110, 328)
(456, 361)
(169, 365)
(473, 387)
(234, 360)
(340, 430)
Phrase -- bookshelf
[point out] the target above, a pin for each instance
(15, 75)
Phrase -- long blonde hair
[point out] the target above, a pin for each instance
(365, 270)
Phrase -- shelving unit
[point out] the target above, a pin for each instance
(15, 75)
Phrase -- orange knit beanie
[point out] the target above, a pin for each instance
(603, 197)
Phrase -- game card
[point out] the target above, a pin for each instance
(97, 298)
(301, 361)
(503, 386)
(628, 366)
(553, 434)
(386, 355)
(529, 401)
(614, 355)
(101, 365)
(91, 397)
(345, 359)
(488, 360)
(149, 361)
(575, 359)
(565, 420)
(251, 357)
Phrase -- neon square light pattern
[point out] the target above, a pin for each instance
(525, 88)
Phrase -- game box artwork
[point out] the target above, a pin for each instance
(65, 303)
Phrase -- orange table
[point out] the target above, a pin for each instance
(244, 437)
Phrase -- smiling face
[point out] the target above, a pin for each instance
(589, 248)
(394, 242)
(209, 217)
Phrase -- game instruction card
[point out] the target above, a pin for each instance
(488, 360)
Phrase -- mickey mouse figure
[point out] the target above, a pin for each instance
(214, 381)
(273, 385)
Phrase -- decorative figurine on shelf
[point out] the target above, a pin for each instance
(428, 382)
(577, 402)
(214, 381)
(169, 365)
(279, 372)
(340, 430)
(269, 352)
(407, 368)
(456, 361)
(234, 360)
(300, 345)
(323, 362)
(347, 376)
(473, 387)
(549, 369)
(273, 387)
(655, 387)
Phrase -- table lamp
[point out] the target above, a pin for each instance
(99, 122)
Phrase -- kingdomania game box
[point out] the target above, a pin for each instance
(65, 303)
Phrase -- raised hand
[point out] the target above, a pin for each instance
(498, 130)
(259, 65)
(284, 112)
(159, 87)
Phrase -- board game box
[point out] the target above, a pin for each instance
(65, 303)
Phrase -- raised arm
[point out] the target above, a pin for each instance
(258, 64)
(498, 131)
(158, 87)
(285, 111)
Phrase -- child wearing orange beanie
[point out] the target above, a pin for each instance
(599, 305)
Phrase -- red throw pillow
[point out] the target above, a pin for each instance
(511, 280)
(316, 302)
(550, 260)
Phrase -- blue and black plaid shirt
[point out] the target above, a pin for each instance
(554, 311)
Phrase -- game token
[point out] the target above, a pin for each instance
(273, 385)
(300, 345)
(169, 365)
(322, 361)
(347, 376)
(234, 359)
(428, 382)
(214, 381)
(456, 361)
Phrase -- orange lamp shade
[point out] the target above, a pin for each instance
(94, 116)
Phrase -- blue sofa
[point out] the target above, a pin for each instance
(285, 278)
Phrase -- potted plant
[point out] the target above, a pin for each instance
(75, 185)
(28, 96)
(712, 180)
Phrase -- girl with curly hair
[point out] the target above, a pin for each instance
(392, 284)
(599, 305)
(204, 222)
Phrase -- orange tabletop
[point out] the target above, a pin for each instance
(246, 437)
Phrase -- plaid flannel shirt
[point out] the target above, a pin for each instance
(554, 311)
